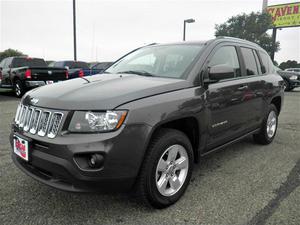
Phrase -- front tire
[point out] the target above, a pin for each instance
(269, 127)
(166, 170)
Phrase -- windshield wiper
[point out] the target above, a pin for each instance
(138, 72)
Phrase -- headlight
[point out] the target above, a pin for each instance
(96, 121)
(293, 77)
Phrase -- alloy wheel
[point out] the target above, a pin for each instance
(271, 124)
(18, 89)
(172, 170)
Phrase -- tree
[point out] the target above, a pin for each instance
(10, 52)
(252, 27)
(289, 64)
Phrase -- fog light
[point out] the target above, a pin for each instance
(95, 160)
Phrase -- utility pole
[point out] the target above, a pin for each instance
(274, 32)
(273, 43)
(264, 5)
(184, 31)
(74, 29)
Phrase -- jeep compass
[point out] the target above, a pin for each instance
(143, 124)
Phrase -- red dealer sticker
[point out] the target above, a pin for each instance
(21, 147)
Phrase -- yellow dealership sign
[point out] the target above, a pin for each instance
(285, 15)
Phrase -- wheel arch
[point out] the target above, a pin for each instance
(188, 125)
(277, 101)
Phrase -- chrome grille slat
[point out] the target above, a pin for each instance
(44, 122)
(38, 121)
(54, 125)
(17, 114)
(23, 116)
(28, 119)
(20, 114)
(35, 121)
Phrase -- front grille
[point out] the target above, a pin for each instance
(38, 120)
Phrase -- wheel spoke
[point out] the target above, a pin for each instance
(162, 165)
(274, 121)
(162, 183)
(270, 133)
(174, 183)
(172, 154)
(181, 163)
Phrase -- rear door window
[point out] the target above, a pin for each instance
(250, 61)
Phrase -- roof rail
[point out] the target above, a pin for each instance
(227, 37)
(237, 39)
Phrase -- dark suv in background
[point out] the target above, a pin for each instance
(144, 123)
(291, 79)
(75, 68)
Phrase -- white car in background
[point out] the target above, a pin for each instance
(296, 70)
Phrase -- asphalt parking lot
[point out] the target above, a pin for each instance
(244, 184)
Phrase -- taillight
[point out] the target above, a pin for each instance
(28, 74)
(81, 73)
(67, 74)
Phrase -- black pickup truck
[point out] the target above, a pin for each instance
(24, 73)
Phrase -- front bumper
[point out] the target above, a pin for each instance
(53, 162)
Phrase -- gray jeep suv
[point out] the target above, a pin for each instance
(144, 123)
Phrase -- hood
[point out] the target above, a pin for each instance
(101, 92)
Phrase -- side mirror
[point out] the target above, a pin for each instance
(220, 72)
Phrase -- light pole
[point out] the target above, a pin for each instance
(74, 29)
(184, 22)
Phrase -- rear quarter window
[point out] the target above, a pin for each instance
(266, 63)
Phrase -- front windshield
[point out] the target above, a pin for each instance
(162, 61)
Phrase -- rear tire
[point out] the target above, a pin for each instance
(268, 128)
(19, 88)
(166, 169)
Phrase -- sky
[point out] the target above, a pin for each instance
(108, 29)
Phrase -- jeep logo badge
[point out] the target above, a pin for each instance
(34, 101)
(49, 72)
